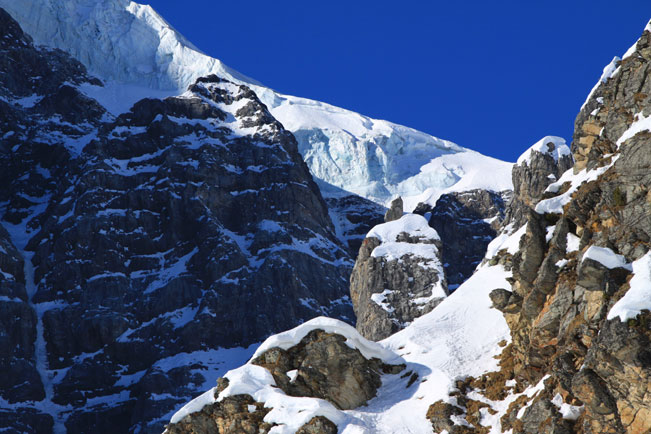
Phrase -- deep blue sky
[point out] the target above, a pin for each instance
(494, 76)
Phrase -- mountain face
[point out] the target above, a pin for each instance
(551, 334)
(137, 54)
(140, 254)
(398, 275)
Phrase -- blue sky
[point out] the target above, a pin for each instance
(491, 76)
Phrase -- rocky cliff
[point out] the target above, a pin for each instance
(133, 244)
(552, 332)
(578, 308)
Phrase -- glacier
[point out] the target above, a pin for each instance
(138, 54)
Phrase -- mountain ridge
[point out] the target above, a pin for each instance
(138, 54)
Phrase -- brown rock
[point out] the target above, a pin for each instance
(327, 369)
(395, 210)
(318, 425)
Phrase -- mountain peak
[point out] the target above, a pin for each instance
(138, 54)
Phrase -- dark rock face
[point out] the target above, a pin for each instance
(130, 242)
(466, 222)
(558, 310)
(389, 292)
(353, 216)
(324, 366)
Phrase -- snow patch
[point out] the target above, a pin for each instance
(510, 242)
(573, 243)
(555, 204)
(569, 412)
(550, 145)
(413, 224)
(381, 298)
(641, 123)
(605, 257)
(638, 297)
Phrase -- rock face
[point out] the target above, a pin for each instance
(466, 222)
(239, 414)
(395, 210)
(398, 276)
(321, 365)
(537, 168)
(353, 216)
(130, 242)
(574, 269)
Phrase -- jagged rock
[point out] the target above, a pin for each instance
(397, 277)
(160, 232)
(395, 210)
(589, 388)
(326, 368)
(353, 216)
(536, 169)
(621, 358)
(531, 253)
(25, 421)
(562, 329)
(440, 414)
(321, 365)
(505, 300)
(543, 417)
(238, 414)
(466, 222)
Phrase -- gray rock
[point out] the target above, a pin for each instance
(505, 300)
(530, 179)
(388, 294)
(395, 210)
(543, 417)
(327, 369)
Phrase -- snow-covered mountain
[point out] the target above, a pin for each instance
(141, 254)
(139, 54)
(549, 335)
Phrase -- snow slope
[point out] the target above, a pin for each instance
(139, 54)
(458, 338)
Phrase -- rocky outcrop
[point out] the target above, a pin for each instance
(590, 362)
(325, 367)
(466, 222)
(321, 365)
(541, 165)
(172, 229)
(395, 210)
(239, 414)
(398, 276)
